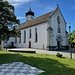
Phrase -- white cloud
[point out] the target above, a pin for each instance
(18, 2)
(73, 7)
(49, 8)
(20, 17)
(15, 4)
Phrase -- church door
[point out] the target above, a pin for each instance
(59, 41)
(12, 44)
(29, 44)
(58, 44)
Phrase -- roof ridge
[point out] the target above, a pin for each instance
(39, 16)
(53, 11)
(36, 21)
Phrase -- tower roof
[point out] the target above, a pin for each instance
(30, 12)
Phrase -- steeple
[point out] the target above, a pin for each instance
(57, 6)
(29, 8)
(29, 14)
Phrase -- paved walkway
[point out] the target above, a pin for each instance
(18, 68)
(66, 53)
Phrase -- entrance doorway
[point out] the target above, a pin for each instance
(12, 44)
(58, 44)
(59, 41)
(29, 44)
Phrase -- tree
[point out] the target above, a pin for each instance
(71, 37)
(8, 21)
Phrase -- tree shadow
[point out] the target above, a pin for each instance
(8, 58)
(49, 65)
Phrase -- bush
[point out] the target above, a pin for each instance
(59, 55)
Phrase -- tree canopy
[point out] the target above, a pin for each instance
(71, 37)
(8, 21)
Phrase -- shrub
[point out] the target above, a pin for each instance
(59, 55)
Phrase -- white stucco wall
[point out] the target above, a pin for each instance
(54, 25)
(12, 39)
(42, 41)
(42, 37)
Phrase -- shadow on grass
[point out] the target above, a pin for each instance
(8, 58)
(50, 66)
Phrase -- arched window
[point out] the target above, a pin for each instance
(58, 20)
(15, 39)
(24, 36)
(36, 35)
(30, 33)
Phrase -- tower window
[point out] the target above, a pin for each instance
(31, 17)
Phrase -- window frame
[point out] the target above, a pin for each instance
(15, 39)
(36, 35)
(30, 33)
(24, 36)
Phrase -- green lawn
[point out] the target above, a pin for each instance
(52, 65)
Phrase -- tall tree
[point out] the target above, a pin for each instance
(71, 37)
(8, 21)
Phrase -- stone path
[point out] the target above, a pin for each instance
(18, 68)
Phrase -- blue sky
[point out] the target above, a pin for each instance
(40, 7)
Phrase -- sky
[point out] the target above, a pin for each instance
(40, 7)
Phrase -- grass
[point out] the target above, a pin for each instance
(52, 65)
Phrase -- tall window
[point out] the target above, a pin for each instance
(15, 39)
(58, 21)
(31, 17)
(24, 36)
(30, 33)
(36, 35)
(20, 37)
(59, 30)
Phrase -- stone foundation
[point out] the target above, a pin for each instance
(51, 48)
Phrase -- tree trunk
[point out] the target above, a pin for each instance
(1, 45)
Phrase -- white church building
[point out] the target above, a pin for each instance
(47, 31)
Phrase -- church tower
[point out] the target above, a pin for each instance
(29, 14)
